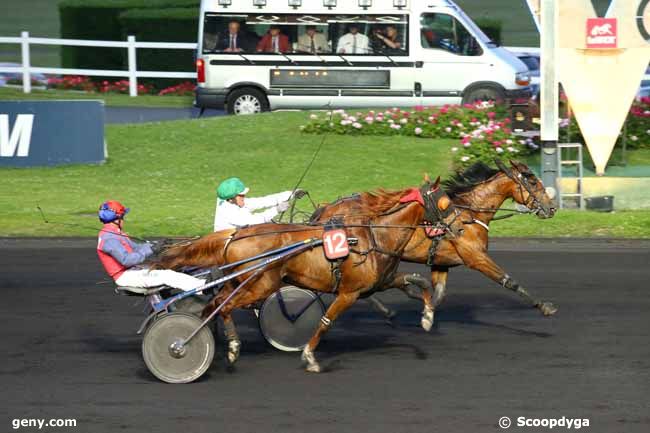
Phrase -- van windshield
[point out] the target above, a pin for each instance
(444, 32)
(375, 35)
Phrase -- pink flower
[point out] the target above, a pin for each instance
(491, 115)
(418, 131)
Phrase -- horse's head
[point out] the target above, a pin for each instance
(439, 210)
(527, 189)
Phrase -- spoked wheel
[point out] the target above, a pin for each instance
(168, 358)
(289, 317)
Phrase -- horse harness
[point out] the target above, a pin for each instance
(428, 197)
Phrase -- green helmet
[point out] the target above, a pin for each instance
(230, 188)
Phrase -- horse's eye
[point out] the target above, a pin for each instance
(444, 203)
(530, 177)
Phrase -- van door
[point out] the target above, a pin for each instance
(450, 59)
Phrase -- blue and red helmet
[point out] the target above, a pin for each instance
(112, 210)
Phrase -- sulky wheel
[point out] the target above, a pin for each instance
(289, 317)
(168, 358)
(192, 305)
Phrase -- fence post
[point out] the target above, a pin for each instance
(27, 78)
(133, 67)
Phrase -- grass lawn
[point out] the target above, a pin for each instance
(115, 100)
(167, 172)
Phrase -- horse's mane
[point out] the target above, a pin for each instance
(380, 200)
(362, 204)
(462, 182)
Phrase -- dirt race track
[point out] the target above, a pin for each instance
(69, 350)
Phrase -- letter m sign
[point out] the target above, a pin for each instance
(15, 142)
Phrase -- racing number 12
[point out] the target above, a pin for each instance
(335, 243)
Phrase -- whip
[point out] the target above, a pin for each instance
(94, 229)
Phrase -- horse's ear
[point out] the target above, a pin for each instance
(436, 184)
(518, 165)
(427, 178)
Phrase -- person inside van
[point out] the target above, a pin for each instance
(273, 42)
(429, 39)
(353, 42)
(234, 40)
(387, 41)
(313, 42)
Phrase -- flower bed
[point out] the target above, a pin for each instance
(482, 129)
(636, 129)
(121, 86)
(68, 82)
(638, 125)
(487, 141)
(183, 89)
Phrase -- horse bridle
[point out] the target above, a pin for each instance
(522, 182)
(432, 215)
(431, 196)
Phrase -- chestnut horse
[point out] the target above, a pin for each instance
(478, 192)
(383, 223)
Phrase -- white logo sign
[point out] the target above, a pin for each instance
(20, 138)
(605, 29)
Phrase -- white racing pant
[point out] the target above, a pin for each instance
(158, 277)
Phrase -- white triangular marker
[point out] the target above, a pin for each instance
(601, 84)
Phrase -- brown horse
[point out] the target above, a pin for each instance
(478, 192)
(383, 222)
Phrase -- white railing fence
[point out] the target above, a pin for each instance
(131, 45)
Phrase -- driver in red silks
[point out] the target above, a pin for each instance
(123, 259)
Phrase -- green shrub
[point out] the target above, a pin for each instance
(162, 25)
(99, 20)
(491, 27)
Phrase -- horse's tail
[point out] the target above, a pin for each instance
(204, 252)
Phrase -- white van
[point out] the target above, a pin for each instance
(259, 55)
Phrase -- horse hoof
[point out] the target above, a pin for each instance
(313, 368)
(308, 358)
(233, 351)
(427, 320)
(547, 308)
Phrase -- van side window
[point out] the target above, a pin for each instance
(370, 35)
(444, 32)
(374, 35)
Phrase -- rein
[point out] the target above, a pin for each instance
(514, 212)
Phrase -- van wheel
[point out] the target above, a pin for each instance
(247, 100)
(493, 94)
